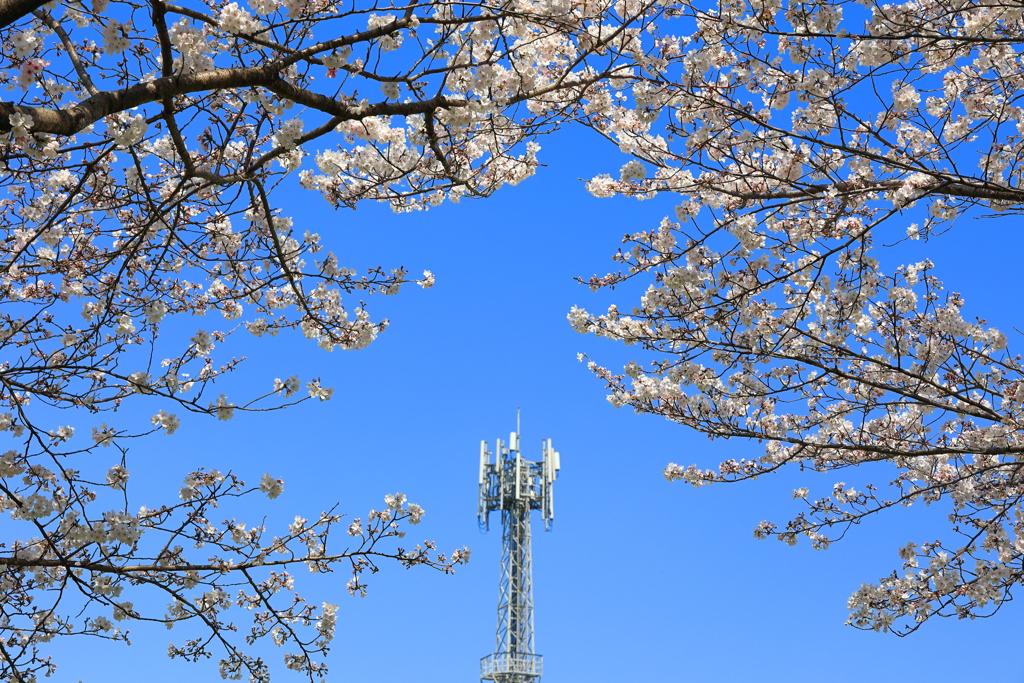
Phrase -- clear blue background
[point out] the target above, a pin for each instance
(640, 579)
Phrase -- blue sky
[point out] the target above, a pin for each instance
(640, 579)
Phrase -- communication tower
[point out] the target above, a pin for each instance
(515, 486)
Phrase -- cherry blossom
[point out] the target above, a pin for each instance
(798, 141)
(141, 146)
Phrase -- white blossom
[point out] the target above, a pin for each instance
(270, 486)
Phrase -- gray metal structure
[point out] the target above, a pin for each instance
(515, 486)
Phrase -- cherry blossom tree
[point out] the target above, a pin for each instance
(142, 143)
(803, 138)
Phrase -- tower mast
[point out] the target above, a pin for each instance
(515, 486)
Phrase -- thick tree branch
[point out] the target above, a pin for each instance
(79, 116)
(939, 186)
(13, 10)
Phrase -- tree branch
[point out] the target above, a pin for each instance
(13, 10)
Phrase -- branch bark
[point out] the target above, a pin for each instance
(13, 10)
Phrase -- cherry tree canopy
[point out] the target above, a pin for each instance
(141, 146)
(801, 137)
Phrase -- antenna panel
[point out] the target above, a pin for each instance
(544, 464)
(549, 465)
(483, 461)
(499, 464)
(518, 477)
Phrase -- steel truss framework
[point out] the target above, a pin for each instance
(515, 486)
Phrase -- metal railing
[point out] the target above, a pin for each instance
(511, 663)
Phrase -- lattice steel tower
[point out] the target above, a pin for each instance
(515, 486)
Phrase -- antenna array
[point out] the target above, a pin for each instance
(515, 486)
